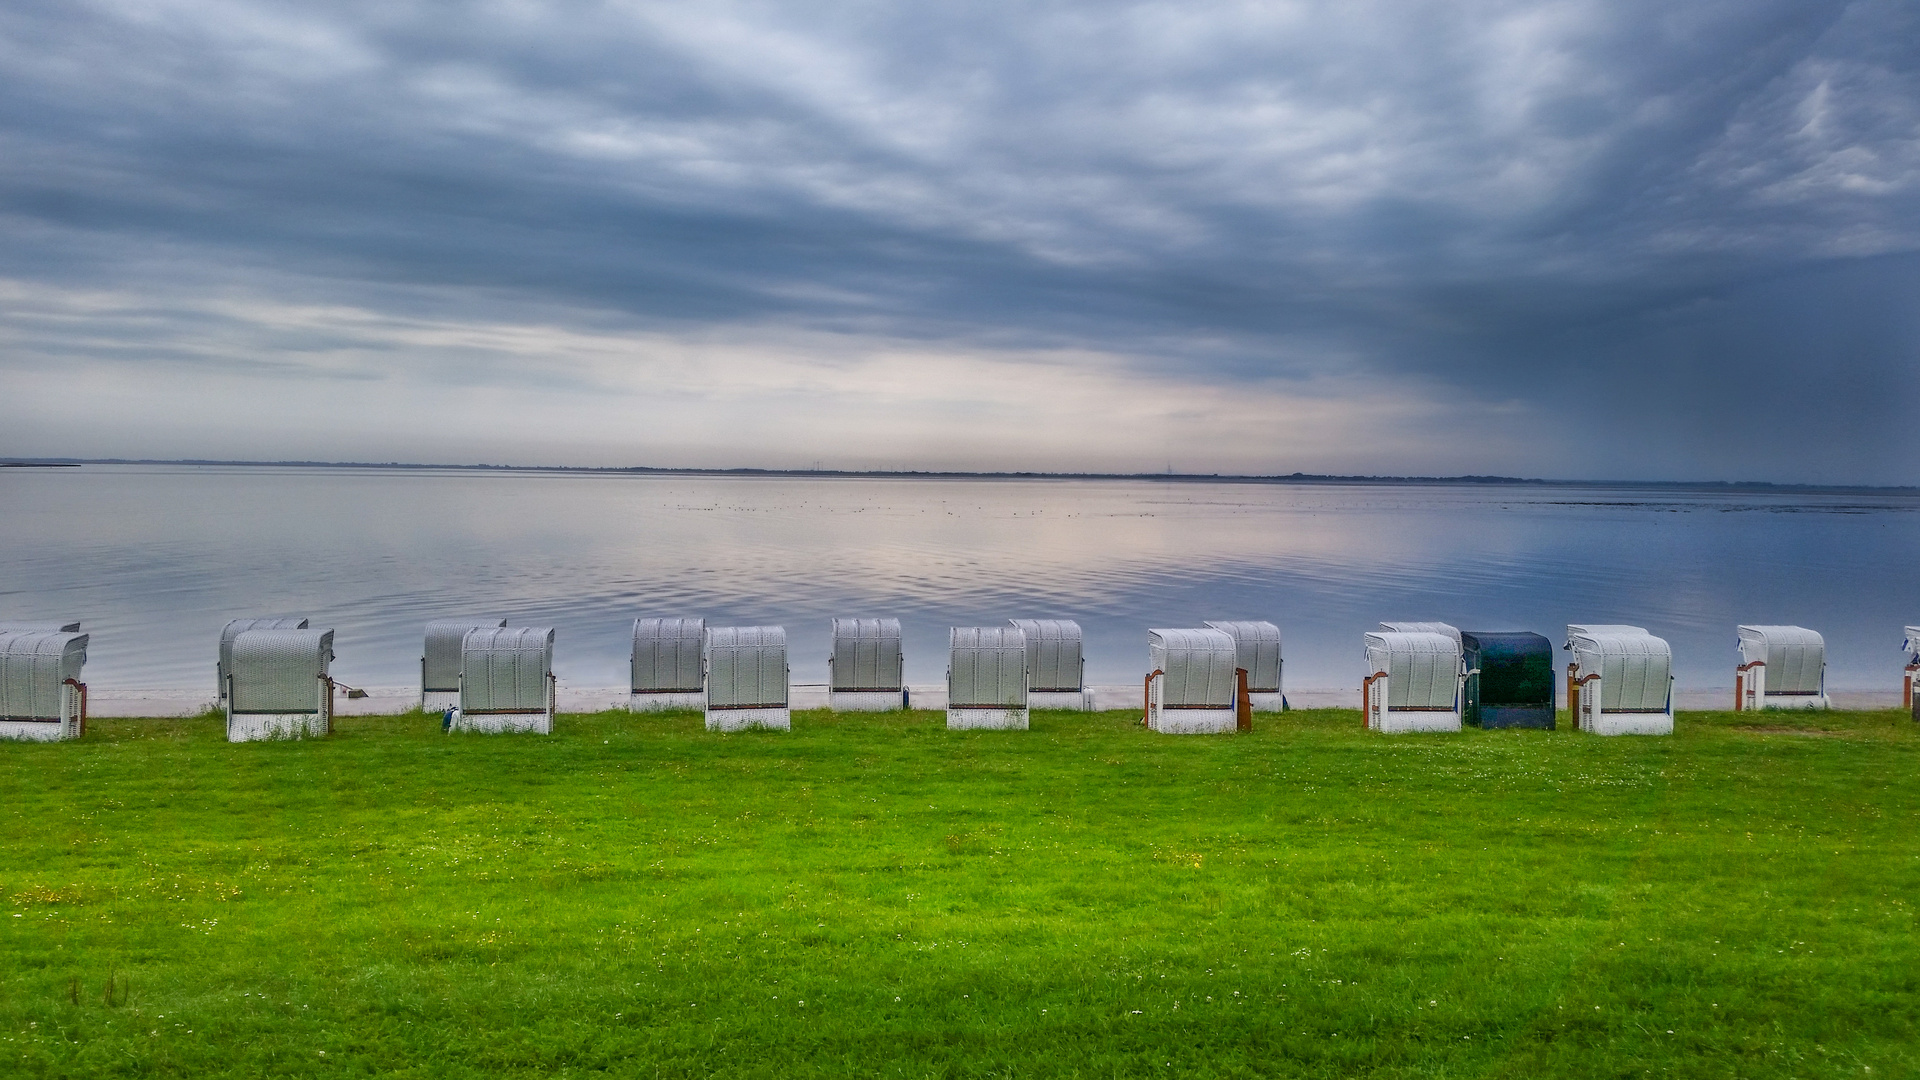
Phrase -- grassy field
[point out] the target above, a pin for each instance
(874, 896)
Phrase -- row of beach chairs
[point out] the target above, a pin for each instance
(273, 675)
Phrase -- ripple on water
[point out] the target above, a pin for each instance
(156, 558)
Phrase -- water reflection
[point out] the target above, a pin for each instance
(155, 559)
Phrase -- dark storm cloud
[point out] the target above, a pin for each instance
(1672, 212)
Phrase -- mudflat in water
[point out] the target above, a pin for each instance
(155, 559)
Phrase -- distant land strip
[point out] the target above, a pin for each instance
(937, 474)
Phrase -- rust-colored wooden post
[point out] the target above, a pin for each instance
(1366, 699)
(82, 688)
(1740, 678)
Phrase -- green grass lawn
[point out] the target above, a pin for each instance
(875, 896)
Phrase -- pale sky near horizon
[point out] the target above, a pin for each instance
(1585, 238)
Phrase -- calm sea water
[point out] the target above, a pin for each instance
(155, 559)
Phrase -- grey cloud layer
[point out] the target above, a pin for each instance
(1500, 199)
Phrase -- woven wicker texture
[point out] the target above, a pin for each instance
(866, 654)
(34, 668)
(668, 655)
(506, 668)
(986, 667)
(279, 671)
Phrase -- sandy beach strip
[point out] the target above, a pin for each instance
(387, 700)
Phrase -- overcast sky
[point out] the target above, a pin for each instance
(1589, 238)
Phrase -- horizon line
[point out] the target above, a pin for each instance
(961, 474)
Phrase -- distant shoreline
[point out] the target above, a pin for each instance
(936, 474)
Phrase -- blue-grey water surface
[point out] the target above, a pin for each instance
(154, 559)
